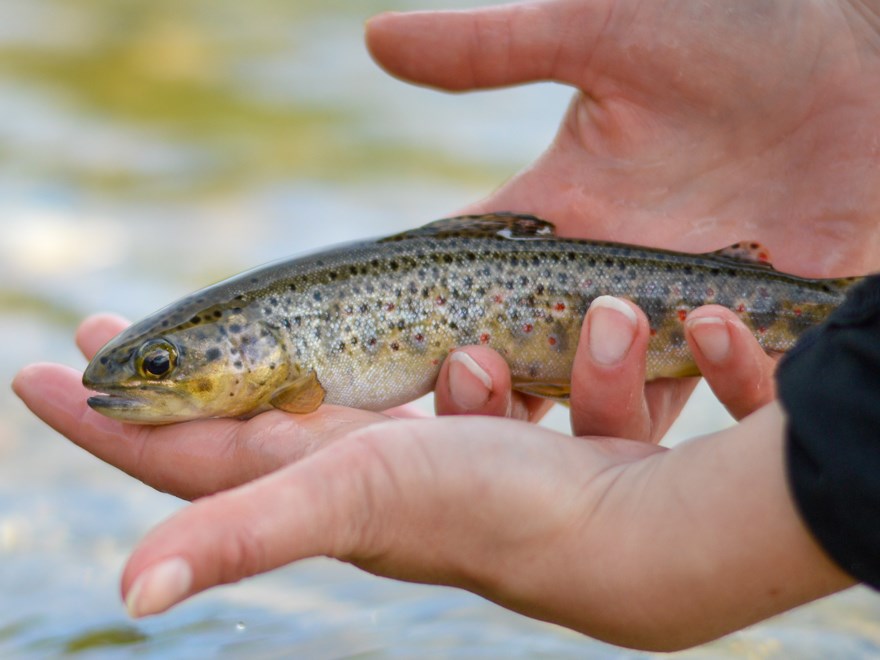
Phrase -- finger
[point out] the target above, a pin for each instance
(96, 331)
(488, 47)
(608, 377)
(475, 380)
(730, 358)
(187, 460)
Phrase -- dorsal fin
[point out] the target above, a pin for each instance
(507, 225)
(750, 252)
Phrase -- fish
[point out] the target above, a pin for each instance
(368, 324)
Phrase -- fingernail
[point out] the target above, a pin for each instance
(612, 329)
(159, 587)
(711, 336)
(469, 384)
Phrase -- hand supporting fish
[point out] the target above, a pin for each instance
(367, 325)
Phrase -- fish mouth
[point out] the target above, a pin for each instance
(140, 407)
(117, 402)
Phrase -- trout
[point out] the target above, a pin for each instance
(368, 324)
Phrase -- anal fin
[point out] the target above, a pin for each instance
(301, 396)
(556, 391)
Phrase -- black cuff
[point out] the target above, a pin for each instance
(829, 386)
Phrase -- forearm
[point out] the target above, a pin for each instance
(715, 542)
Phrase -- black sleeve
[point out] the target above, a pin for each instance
(829, 386)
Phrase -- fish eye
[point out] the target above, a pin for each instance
(156, 358)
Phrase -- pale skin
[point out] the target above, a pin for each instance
(751, 120)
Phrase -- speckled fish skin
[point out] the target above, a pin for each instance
(368, 324)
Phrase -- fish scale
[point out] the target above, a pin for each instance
(368, 324)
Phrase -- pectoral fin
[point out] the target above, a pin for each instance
(556, 391)
(301, 396)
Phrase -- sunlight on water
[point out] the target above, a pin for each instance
(149, 148)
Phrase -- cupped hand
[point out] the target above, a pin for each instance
(603, 536)
(694, 126)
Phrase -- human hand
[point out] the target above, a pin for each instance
(694, 127)
(557, 528)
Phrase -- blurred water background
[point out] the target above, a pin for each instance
(149, 148)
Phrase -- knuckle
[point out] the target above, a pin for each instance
(241, 554)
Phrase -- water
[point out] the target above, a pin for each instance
(149, 148)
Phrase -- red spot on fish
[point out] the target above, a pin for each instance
(653, 332)
(395, 346)
(551, 340)
(498, 298)
(372, 341)
(528, 327)
(797, 311)
(435, 362)
(710, 292)
(484, 338)
(440, 300)
(420, 337)
(682, 314)
(560, 307)
(763, 256)
(390, 307)
(762, 330)
(740, 308)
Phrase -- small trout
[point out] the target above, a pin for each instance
(367, 325)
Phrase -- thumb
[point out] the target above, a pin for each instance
(488, 47)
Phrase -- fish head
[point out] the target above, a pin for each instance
(151, 374)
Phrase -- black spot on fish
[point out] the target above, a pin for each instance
(217, 313)
(165, 323)
(235, 328)
(317, 296)
(237, 364)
